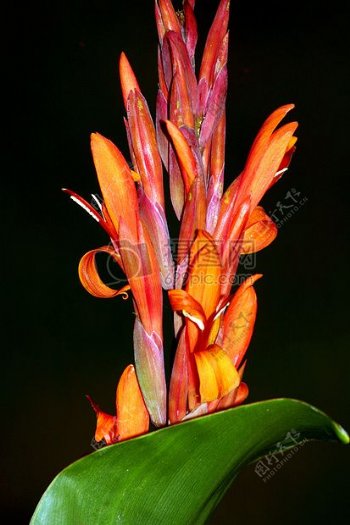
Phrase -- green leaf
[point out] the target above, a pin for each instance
(178, 474)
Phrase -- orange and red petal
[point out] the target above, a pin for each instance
(184, 155)
(181, 300)
(116, 183)
(132, 415)
(214, 41)
(128, 79)
(106, 425)
(239, 320)
(89, 276)
(259, 232)
(205, 271)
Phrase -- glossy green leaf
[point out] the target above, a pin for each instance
(177, 475)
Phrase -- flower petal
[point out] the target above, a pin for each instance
(166, 18)
(259, 232)
(205, 269)
(144, 147)
(193, 218)
(153, 218)
(181, 300)
(265, 157)
(217, 374)
(270, 162)
(184, 155)
(116, 183)
(106, 425)
(190, 29)
(215, 37)
(142, 271)
(239, 321)
(132, 415)
(264, 136)
(90, 278)
(127, 78)
(215, 107)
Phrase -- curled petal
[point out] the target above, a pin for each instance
(259, 232)
(90, 278)
(132, 415)
(217, 374)
(182, 301)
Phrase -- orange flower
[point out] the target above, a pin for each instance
(131, 418)
(212, 344)
(213, 327)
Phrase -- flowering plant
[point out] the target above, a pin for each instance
(212, 324)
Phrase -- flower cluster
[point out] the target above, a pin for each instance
(212, 326)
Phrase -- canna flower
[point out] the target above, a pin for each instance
(215, 336)
(213, 326)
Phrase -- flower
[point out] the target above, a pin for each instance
(213, 326)
(131, 417)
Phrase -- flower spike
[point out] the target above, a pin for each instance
(214, 312)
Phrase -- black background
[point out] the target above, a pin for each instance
(60, 343)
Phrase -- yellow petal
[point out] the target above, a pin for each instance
(205, 270)
(217, 374)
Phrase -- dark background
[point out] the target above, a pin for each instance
(61, 343)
